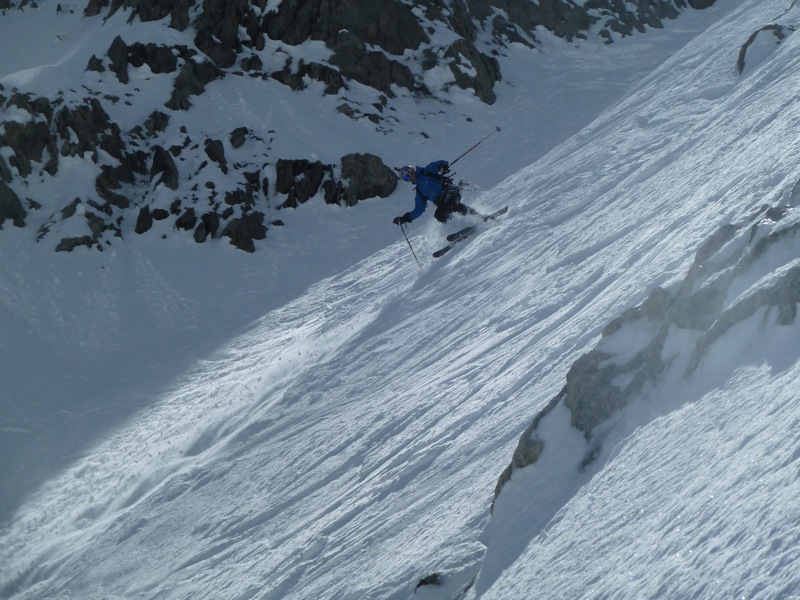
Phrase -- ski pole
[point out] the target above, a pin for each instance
(403, 229)
(475, 146)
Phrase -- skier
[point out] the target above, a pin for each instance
(433, 185)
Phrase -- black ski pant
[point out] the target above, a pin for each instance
(451, 203)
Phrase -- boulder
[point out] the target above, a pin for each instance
(473, 69)
(244, 230)
(92, 129)
(191, 81)
(367, 177)
(160, 59)
(238, 137)
(701, 4)
(164, 166)
(118, 54)
(208, 226)
(216, 152)
(11, 207)
(300, 179)
(29, 141)
(218, 29)
(371, 68)
(156, 122)
(187, 220)
(5, 172)
(144, 221)
(294, 77)
(70, 243)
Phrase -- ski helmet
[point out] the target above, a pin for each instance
(407, 173)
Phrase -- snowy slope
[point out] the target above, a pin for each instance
(346, 441)
(148, 317)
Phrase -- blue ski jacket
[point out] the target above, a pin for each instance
(430, 183)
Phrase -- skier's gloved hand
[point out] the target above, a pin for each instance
(444, 168)
(406, 218)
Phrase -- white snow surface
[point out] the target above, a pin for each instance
(326, 419)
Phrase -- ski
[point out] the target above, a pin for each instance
(462, 234)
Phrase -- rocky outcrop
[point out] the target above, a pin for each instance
(363, 176)
(191, 81)
(300, 180)
(517, 20)
(160, 59)
(635, 352)
(243, 231)
(387, 24)
(366, 177)
(473, 70)
(216, 152)
(774, 30)
(383, 44)
(92, 129)
(10, 207)
(163, 169)
(166, 178)
(29, 142)
(146, 10)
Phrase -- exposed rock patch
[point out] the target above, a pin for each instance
(776, 31)
(701, 309)
(10, 207)
(366, 177)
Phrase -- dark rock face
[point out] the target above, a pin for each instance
(216, 152)
(300, 179)
(373, 69)
(106, 183)
(29, 142)
(156, 122)
(191, 81)
(367, 177)
(92, 127)
(69, 244)
(208, 226)
(242, 232)
(11, 207)
(218, 29)
(465, 58)
(385, 23)
(5, 173)
(160, 59)
(187, 220)
(333, 79)
(701, 4)
(144, 221)
(164, 166)
(563, 18)
(239, 136)
(147, 10)
(81, 128)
